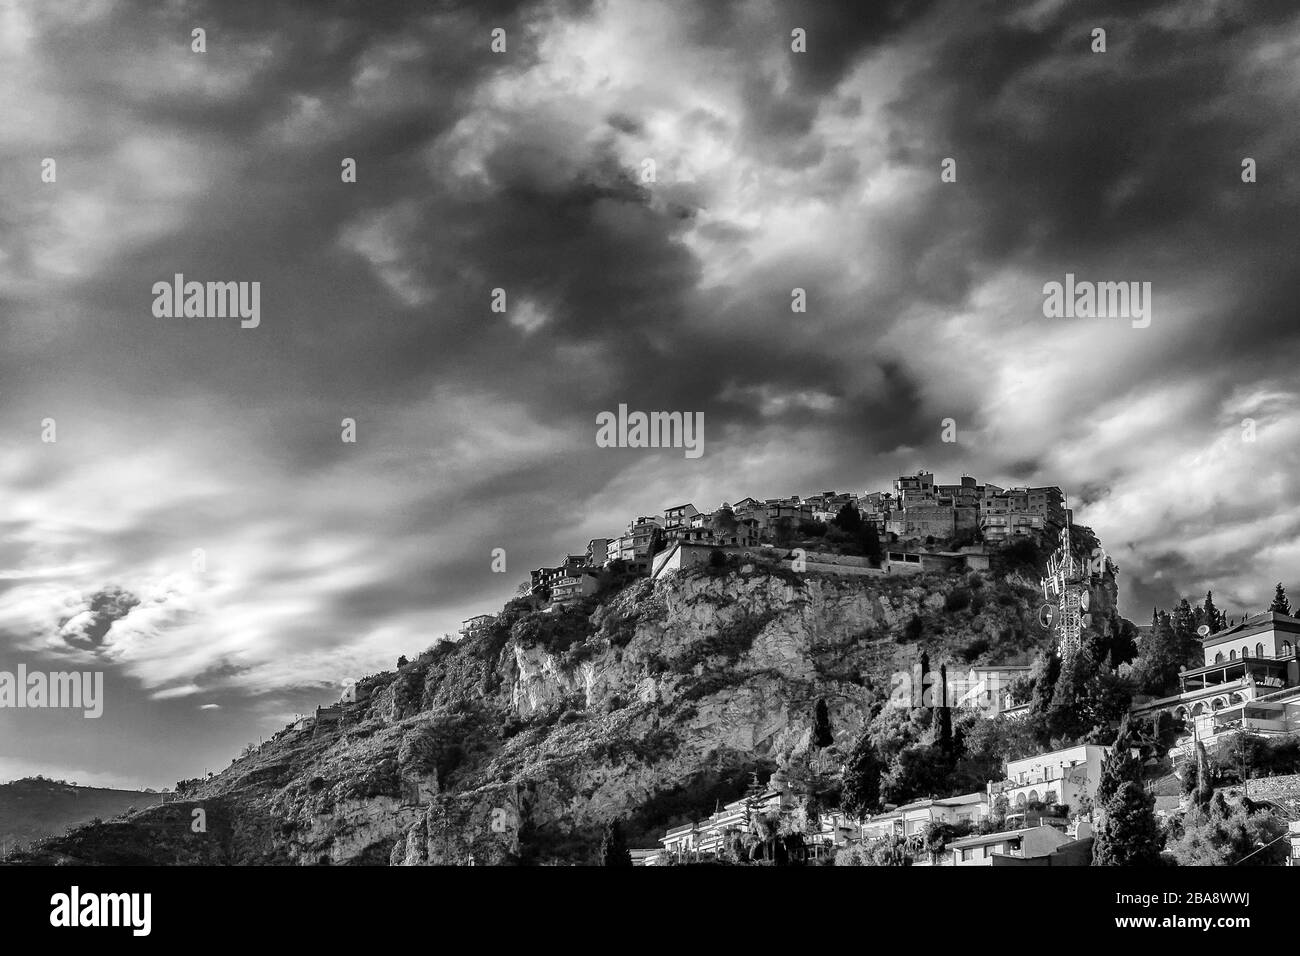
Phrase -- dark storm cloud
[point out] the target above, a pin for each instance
(1140, 155)
(88, 626)
(840, 33)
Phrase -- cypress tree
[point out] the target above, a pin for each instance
(1280, 603)
(1204, 791)
(943, 733)
(822, 736)
(1184, 624)
(870, 538)
(860, 792)
(1119, 765)
(1128, 834)
(1213, 616)
(613, 848)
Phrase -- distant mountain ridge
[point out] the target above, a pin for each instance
(33, 808)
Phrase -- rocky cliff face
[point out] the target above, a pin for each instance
(521, 743)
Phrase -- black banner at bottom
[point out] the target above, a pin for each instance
(336, 905)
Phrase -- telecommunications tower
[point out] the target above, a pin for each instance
(1065, 589)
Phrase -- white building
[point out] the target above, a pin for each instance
(911, 819)
(983, 849)
(1062, 777)
(1250, 681)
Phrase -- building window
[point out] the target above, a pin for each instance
(1218, 658)
(1286, 648)
(1232, 655)
(1259, 650)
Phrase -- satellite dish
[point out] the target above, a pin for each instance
(1203, 630)
(1047, 616)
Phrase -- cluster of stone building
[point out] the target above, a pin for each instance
(917, 511)
(705, 839)
(1044, 805)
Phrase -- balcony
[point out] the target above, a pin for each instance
(1268, 673)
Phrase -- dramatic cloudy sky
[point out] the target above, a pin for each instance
(522, 170)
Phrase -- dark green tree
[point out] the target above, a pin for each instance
(1204, 774)
(1119, 765)
(1164, 652)
(1088, 698)
(1128, 834)
(861, 786)
(1187, 640)
(613, 848)
(822, 736)
(724, 519)
(863, 533)
(918, 771)
(871, 546)
(1280, 603)
(943, 738)
(848, 519)
(1211, 615)
(1041, 682)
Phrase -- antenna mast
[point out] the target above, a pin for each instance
(1066, 586)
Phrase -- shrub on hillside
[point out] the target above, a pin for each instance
(620, 626)
(887, 851)
(1224, 835)
(913, 630)
(441, 649)
(554, 632)
(1248, 755)
(957, 600)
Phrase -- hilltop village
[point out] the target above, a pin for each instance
(919, 525)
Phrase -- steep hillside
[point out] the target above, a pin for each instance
(646, 704)
(34, 808)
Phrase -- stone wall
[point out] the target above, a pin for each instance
(850, 569)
